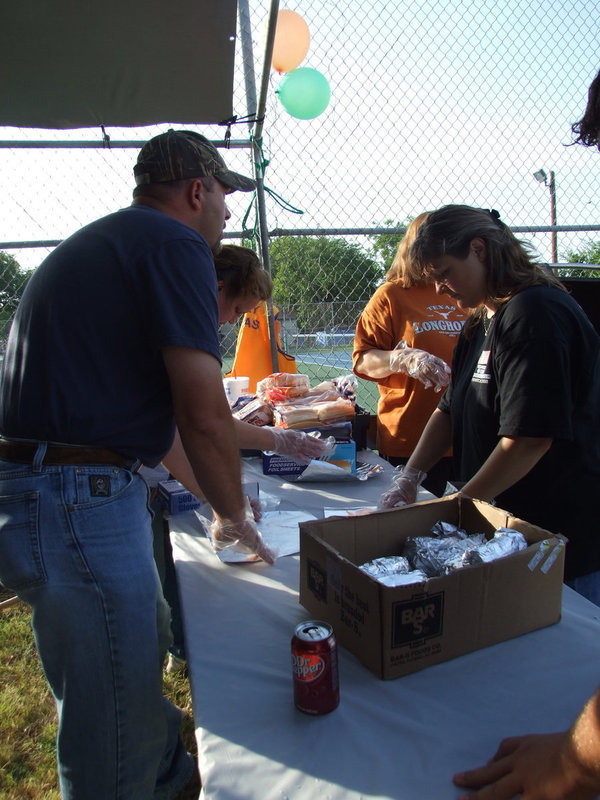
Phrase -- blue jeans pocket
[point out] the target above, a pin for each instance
(21, 562)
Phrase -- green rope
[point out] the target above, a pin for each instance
(278, 199)
(261, 166)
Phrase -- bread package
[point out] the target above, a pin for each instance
(308, 415)
(256, 412)
(289, 379)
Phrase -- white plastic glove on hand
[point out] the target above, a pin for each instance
(421, 365)
(404, 488)
(298, 445)
(242, 537)
(256, 507)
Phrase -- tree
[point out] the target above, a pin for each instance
(322, 278)
(588, 255)
(12, 283)
(384, 245)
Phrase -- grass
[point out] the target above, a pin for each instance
(28, 715)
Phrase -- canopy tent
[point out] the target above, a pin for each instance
(77, 63)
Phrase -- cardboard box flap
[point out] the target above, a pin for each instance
(532, 532)
(363, 538)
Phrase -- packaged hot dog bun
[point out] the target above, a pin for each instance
(334, 409)
(288, 415)
(291, 416)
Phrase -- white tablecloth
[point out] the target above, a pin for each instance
(400, 739)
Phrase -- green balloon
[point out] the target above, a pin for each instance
(304, 92)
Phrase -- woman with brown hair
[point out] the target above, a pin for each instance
(522, 410)
(404, 342)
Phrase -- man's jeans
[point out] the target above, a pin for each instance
(76, 544)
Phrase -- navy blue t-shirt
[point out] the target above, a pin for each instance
(83, 363)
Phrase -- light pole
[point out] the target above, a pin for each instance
(541, 177)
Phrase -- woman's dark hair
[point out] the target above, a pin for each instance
(587, 130)
(509, 262)
(241, 272)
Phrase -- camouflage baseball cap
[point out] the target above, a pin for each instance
(175, 155)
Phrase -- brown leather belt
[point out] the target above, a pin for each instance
(64, 455)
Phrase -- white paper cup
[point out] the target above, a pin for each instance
(235, 388)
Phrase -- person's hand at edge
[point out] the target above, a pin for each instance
(534, 767)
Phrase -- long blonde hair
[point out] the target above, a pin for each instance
(397, 270)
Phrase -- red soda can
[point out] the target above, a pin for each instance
(315, 667)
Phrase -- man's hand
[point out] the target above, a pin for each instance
(256, 507)
(535, 767)
(241, 536)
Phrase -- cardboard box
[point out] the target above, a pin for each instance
(398, 630)
(175, 497)
(274, 464)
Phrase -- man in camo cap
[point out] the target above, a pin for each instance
(182, 168)
(113, 361)
(176, 155)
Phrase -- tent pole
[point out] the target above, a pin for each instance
(248, 59)
(256, 137)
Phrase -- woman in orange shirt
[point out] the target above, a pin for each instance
(404, 342)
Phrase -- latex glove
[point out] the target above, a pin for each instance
(256, 507)
(243, 537)
(404, 488)
(419, 364)
(299, 446)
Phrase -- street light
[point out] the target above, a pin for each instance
(541, 177)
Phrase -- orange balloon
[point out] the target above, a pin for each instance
(292, 39)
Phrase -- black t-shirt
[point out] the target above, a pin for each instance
(83, 363)
(535, 374)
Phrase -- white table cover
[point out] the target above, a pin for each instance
(401, 739)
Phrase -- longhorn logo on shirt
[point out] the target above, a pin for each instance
(445, 325)
(444, 314)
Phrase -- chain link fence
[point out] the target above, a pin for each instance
(439, 102)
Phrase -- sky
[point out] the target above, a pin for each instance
(431, 103)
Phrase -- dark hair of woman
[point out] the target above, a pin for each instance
(510, 263)
(587, 130)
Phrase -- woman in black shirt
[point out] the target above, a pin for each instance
(522, 411)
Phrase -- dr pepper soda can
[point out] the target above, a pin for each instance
(315, 667)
